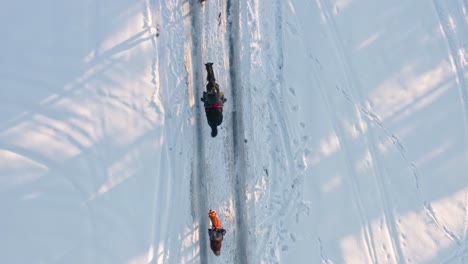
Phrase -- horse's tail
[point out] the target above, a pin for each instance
(214, 131)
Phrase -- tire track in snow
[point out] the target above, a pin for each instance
(198, 178)
(216, 48)
(251, 20)
(239, 151)
(450, 28)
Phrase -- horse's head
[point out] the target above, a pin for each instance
(209, 65)
(210, 77)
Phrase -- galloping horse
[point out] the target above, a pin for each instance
(213, 101)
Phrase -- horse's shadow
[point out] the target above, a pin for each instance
(213, 101)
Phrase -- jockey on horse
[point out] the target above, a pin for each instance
(216, 232)
(213, 101)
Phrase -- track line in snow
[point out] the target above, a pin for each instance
(198, 178)
(238, 135)
(412, 167)
(148, 24)
(354, 85)
(340, 133)
(452, 25)
(355, 98)
(323, 256)
(153, 254)
(448, 27)
(358, 201)
(400, 148)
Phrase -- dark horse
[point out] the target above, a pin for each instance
(213, 101)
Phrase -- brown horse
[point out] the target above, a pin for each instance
(213, 101)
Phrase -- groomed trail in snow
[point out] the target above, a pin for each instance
(226, 175)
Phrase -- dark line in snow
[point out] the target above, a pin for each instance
(233, 29)
(198, 187)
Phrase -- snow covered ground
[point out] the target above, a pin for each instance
(344, 140)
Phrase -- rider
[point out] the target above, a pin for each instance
(216, 232)
(214, 100)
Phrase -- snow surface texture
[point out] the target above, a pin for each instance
(344, 137)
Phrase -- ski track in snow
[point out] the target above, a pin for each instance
(158, 105)
(352, 177)
(453, 24)
(374, 163)
(340, 133)
(355, 98)
(149, 13)
(323, 256)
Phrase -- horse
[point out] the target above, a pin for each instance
(213, 101)
(216, 233)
